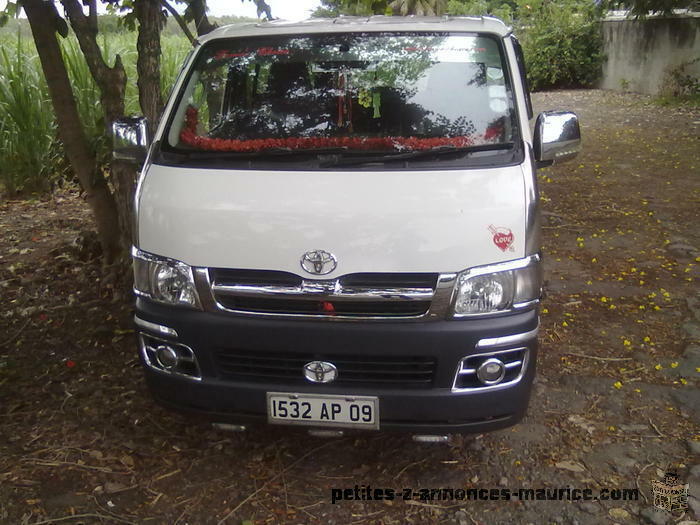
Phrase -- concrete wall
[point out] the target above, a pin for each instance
(640, 52)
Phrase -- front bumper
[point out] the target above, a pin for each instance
(437, 409)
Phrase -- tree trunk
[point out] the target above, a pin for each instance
(148, 13)
(42, 20)
(112, 84)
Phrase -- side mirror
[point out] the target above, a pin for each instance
(557, 137)
(130, 139)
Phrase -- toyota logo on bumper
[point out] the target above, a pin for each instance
(320, 372)
(319, 262)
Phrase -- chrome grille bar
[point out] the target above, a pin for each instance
(333, 291)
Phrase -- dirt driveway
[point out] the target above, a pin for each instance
(616, 400)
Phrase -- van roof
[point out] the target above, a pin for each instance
(344, 24)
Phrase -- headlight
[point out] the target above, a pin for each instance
(498, 287)
(164, 280)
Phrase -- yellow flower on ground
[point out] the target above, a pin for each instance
(674, 365)
(617, 385)
(658, 367)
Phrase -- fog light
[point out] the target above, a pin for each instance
(167, 357)
(491, 371)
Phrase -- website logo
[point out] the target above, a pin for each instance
(670, 494)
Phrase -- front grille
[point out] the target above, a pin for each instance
(315, 307)
(273, 367)
(363, 295)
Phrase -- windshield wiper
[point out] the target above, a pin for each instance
(417, 154)
(266, 154)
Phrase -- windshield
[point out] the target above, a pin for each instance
(354, 93)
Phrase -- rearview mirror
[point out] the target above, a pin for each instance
(557, 137)
(130, 139)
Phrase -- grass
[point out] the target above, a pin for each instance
(689, 101)
(27, 131)
(32, 155)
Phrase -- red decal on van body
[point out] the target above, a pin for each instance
(502, 237)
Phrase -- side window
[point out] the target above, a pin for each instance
(520, 58)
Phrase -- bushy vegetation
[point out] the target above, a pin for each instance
(562, 42)
(680, 85)
(503, 9)
(32, 155)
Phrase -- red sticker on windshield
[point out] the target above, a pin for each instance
(222, 54)
(502, 237)
(266, 51)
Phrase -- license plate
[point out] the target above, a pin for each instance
(323, 410)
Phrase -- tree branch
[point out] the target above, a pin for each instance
(92, 10)
(110, 80)
(262, 7)
(180, 21)
(198, 8)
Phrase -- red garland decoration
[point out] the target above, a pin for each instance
(189, 136)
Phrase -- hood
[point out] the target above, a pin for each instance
(383, 221)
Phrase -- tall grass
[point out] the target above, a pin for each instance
(31, 155)
(27, 130)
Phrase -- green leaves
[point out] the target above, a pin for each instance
(10, 11)
(499, 8)
(643, 8)
(562, 43)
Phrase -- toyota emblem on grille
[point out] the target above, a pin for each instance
(319, 262)
(320, 372)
